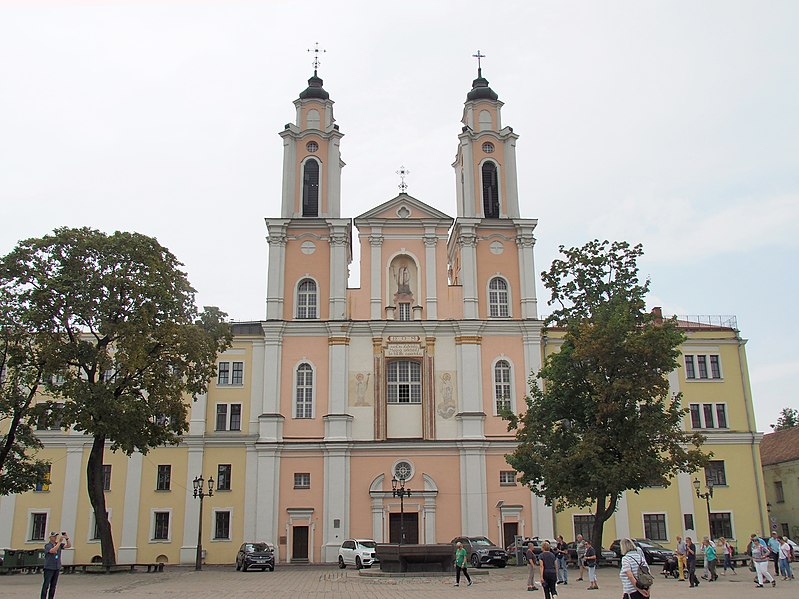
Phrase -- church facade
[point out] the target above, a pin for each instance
(342, 393)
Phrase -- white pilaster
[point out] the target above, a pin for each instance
(339, 244)
(338, 367)
(622, 517)
(511, 177)
(474, 516)
(334, 165)
(468, 177)
(275, 281)
(268, 493)
(685, 490)
(467, 239)
(128, 548)
(543, 524)
(336, 503)
(72, 489)
(250, 491)
(191, 512)
(288, 199)
(197, 417)
(375, 272)
(257, 378)
(431, 274)
(7, 506)
(525, 244)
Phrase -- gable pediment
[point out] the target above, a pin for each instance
(403, 208)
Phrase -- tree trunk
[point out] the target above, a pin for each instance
(94, 476)
(604, 510)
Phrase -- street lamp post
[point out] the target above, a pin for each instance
(199, 492)
(398, 489)
(706, 496)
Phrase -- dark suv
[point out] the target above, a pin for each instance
(653, 552)
(480, 551)
(255, 555)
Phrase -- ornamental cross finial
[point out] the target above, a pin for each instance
(403, 172)
(478, 56)
(316, 51)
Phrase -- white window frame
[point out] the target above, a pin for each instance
(507, 291)
(505, 483)
(707, 353)
(314, 385)
(29, 531)
(228, 416)
(309, 122)
(665, 520)
(409, 382)
(306, 277)
(296, 486)
(230, 366)
(512, 398)
(493, 159)
(93, 525)
(157, 466)
(230, 477)
(214, 512)
(404, 311)
(153, 511)
(703, 421)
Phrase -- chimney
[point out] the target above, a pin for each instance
(657, 312)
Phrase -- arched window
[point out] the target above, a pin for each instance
(310, 188)
(306, 299)
(484, 121)
(404, 381)
(490, 190)
(313, 119)
(502, 386)
(303, 405)
(498, 298)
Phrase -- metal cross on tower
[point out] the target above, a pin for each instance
(316, 51)
(478, 56)
(403, 172)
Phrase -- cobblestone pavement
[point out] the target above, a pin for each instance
(220, 582)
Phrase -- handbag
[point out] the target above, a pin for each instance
(644, 578)
(752, 566)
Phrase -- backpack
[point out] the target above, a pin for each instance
(644, 578)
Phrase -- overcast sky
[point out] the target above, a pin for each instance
(674, 124)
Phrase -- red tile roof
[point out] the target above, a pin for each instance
(782, 446)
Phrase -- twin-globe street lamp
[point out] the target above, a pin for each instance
(398, 490)
(199, 492)
(706, 496)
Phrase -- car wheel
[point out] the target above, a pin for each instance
(244, 566)
(271, 568)
(358, 563)
(238, 566)
(501, 565)
(341, 563)
(476, 560)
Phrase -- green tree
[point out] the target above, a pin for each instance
(21, 369)
(603, 421)
(123, 343)
(789, 418)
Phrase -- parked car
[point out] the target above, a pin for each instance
(654, 553)
(604, 557)
(480, 552)
(357, 552)
(535, 542)
(255, 555)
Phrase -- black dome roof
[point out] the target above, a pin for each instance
(480, 89)
(314, 89)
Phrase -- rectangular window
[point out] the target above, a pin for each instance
(404, 382)
(164, 479)
(238, 374)
(583, 525)
(780, 494)
(404, 311)
(688, 521)
(228, 417)
(690, 372)
(708, 415)
(721, 525)
(223, 475)
(223, 374)
(655, 527)
(161, 526)
(106, 477)
(507, 478)
(715, 473)
(715, 368)
(38, 526)
(45, 486)
(221, 525)
(96, 527)
(302, 480)
(701, 362)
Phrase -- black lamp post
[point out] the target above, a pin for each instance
(200, 492)
(398, 489)
(706, 496)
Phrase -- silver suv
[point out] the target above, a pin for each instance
(357, 552)
(481, 551)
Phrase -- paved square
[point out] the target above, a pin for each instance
(223, 582)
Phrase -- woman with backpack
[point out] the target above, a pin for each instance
(633, 566)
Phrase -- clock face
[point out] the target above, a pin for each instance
(312, 146)
(488, 147)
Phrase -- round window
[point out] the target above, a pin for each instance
(403, 470)
(312, 146)
(488, 147)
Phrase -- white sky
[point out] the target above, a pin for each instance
(670, 123)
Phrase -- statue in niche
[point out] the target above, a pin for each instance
(403, 279)
(447, 408)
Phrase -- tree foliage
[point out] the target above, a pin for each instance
(789, 418)
(602, 420)
(114, 318)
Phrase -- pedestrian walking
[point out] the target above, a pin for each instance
(690, 560)
(562, 553)
(726, 550)
(702, 547)
(774, 551)
(580, 543)
(460, 565)
(760, 556)
(711, 558)
(532, 567)
(630, 564)
(680, 552)
(548, 565)
(52, 562)
(785, 559)
(590, 563)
